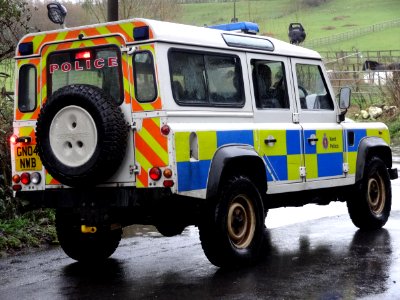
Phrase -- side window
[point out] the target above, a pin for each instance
(204, 79)
(145, 82)
(312, 88)
(269, 82)
(27, 88)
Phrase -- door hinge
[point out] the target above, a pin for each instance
(295, 117)
(128, 50)
(345, 167)
(303, 172)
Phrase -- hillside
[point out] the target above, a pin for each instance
(329, 18)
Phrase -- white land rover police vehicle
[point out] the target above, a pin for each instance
(148, 122)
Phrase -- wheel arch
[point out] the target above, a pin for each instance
(372, 146)
(231, 159)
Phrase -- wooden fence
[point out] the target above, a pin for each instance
(335, 38)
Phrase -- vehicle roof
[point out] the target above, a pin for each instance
(159, 31)
(213, 37)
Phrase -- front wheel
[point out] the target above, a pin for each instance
(370, 204)
(232, 229)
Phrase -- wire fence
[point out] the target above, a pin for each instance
(346, 68)
(348, 35)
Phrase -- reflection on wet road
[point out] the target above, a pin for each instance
(322, 259)
(327, 258)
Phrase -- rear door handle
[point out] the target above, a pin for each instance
(270, 141)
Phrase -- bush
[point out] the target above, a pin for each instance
(8, 205)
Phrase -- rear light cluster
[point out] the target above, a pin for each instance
(25, 179)
(156, 174)
(23, 139)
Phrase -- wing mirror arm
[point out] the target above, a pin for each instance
(344, 102)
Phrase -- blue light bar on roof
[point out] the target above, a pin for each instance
(247, 27)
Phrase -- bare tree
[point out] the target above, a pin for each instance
(154, 9)
(14, 18)
(76, 16)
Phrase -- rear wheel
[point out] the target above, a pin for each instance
(232, 229)
(370, 204)
(85, 247)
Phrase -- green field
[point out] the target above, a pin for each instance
(274, 17)
(332, 17)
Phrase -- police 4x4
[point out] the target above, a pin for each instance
(148, 122)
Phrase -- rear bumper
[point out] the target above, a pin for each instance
(95, 196)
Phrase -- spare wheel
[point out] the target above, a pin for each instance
(81, 135)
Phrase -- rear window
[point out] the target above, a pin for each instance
(100, 67)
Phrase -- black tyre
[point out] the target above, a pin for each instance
(85, 247)
(232, 230)
(81, 135)
(370, 204)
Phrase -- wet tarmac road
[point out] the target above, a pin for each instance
(325, 258)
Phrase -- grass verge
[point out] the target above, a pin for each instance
(31, 229)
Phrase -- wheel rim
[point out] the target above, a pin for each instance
(241, 221)
(73, 136)
(376, 194)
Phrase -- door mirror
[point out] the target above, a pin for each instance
(344, 98)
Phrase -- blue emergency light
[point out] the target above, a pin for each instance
(25, 48)
(246, 27)
(141, 33)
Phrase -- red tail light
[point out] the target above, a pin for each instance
(25, 178)
(155, 173)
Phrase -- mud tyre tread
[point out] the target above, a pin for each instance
(216, 243)
(362, 213)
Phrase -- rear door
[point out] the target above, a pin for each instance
(98, 62)
(322, 135)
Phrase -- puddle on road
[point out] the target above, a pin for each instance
(151, 231)
(140, 230)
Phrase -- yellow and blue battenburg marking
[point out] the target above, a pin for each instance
(353, 138)
(283, 157)
(325, 158)
(282, 161)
